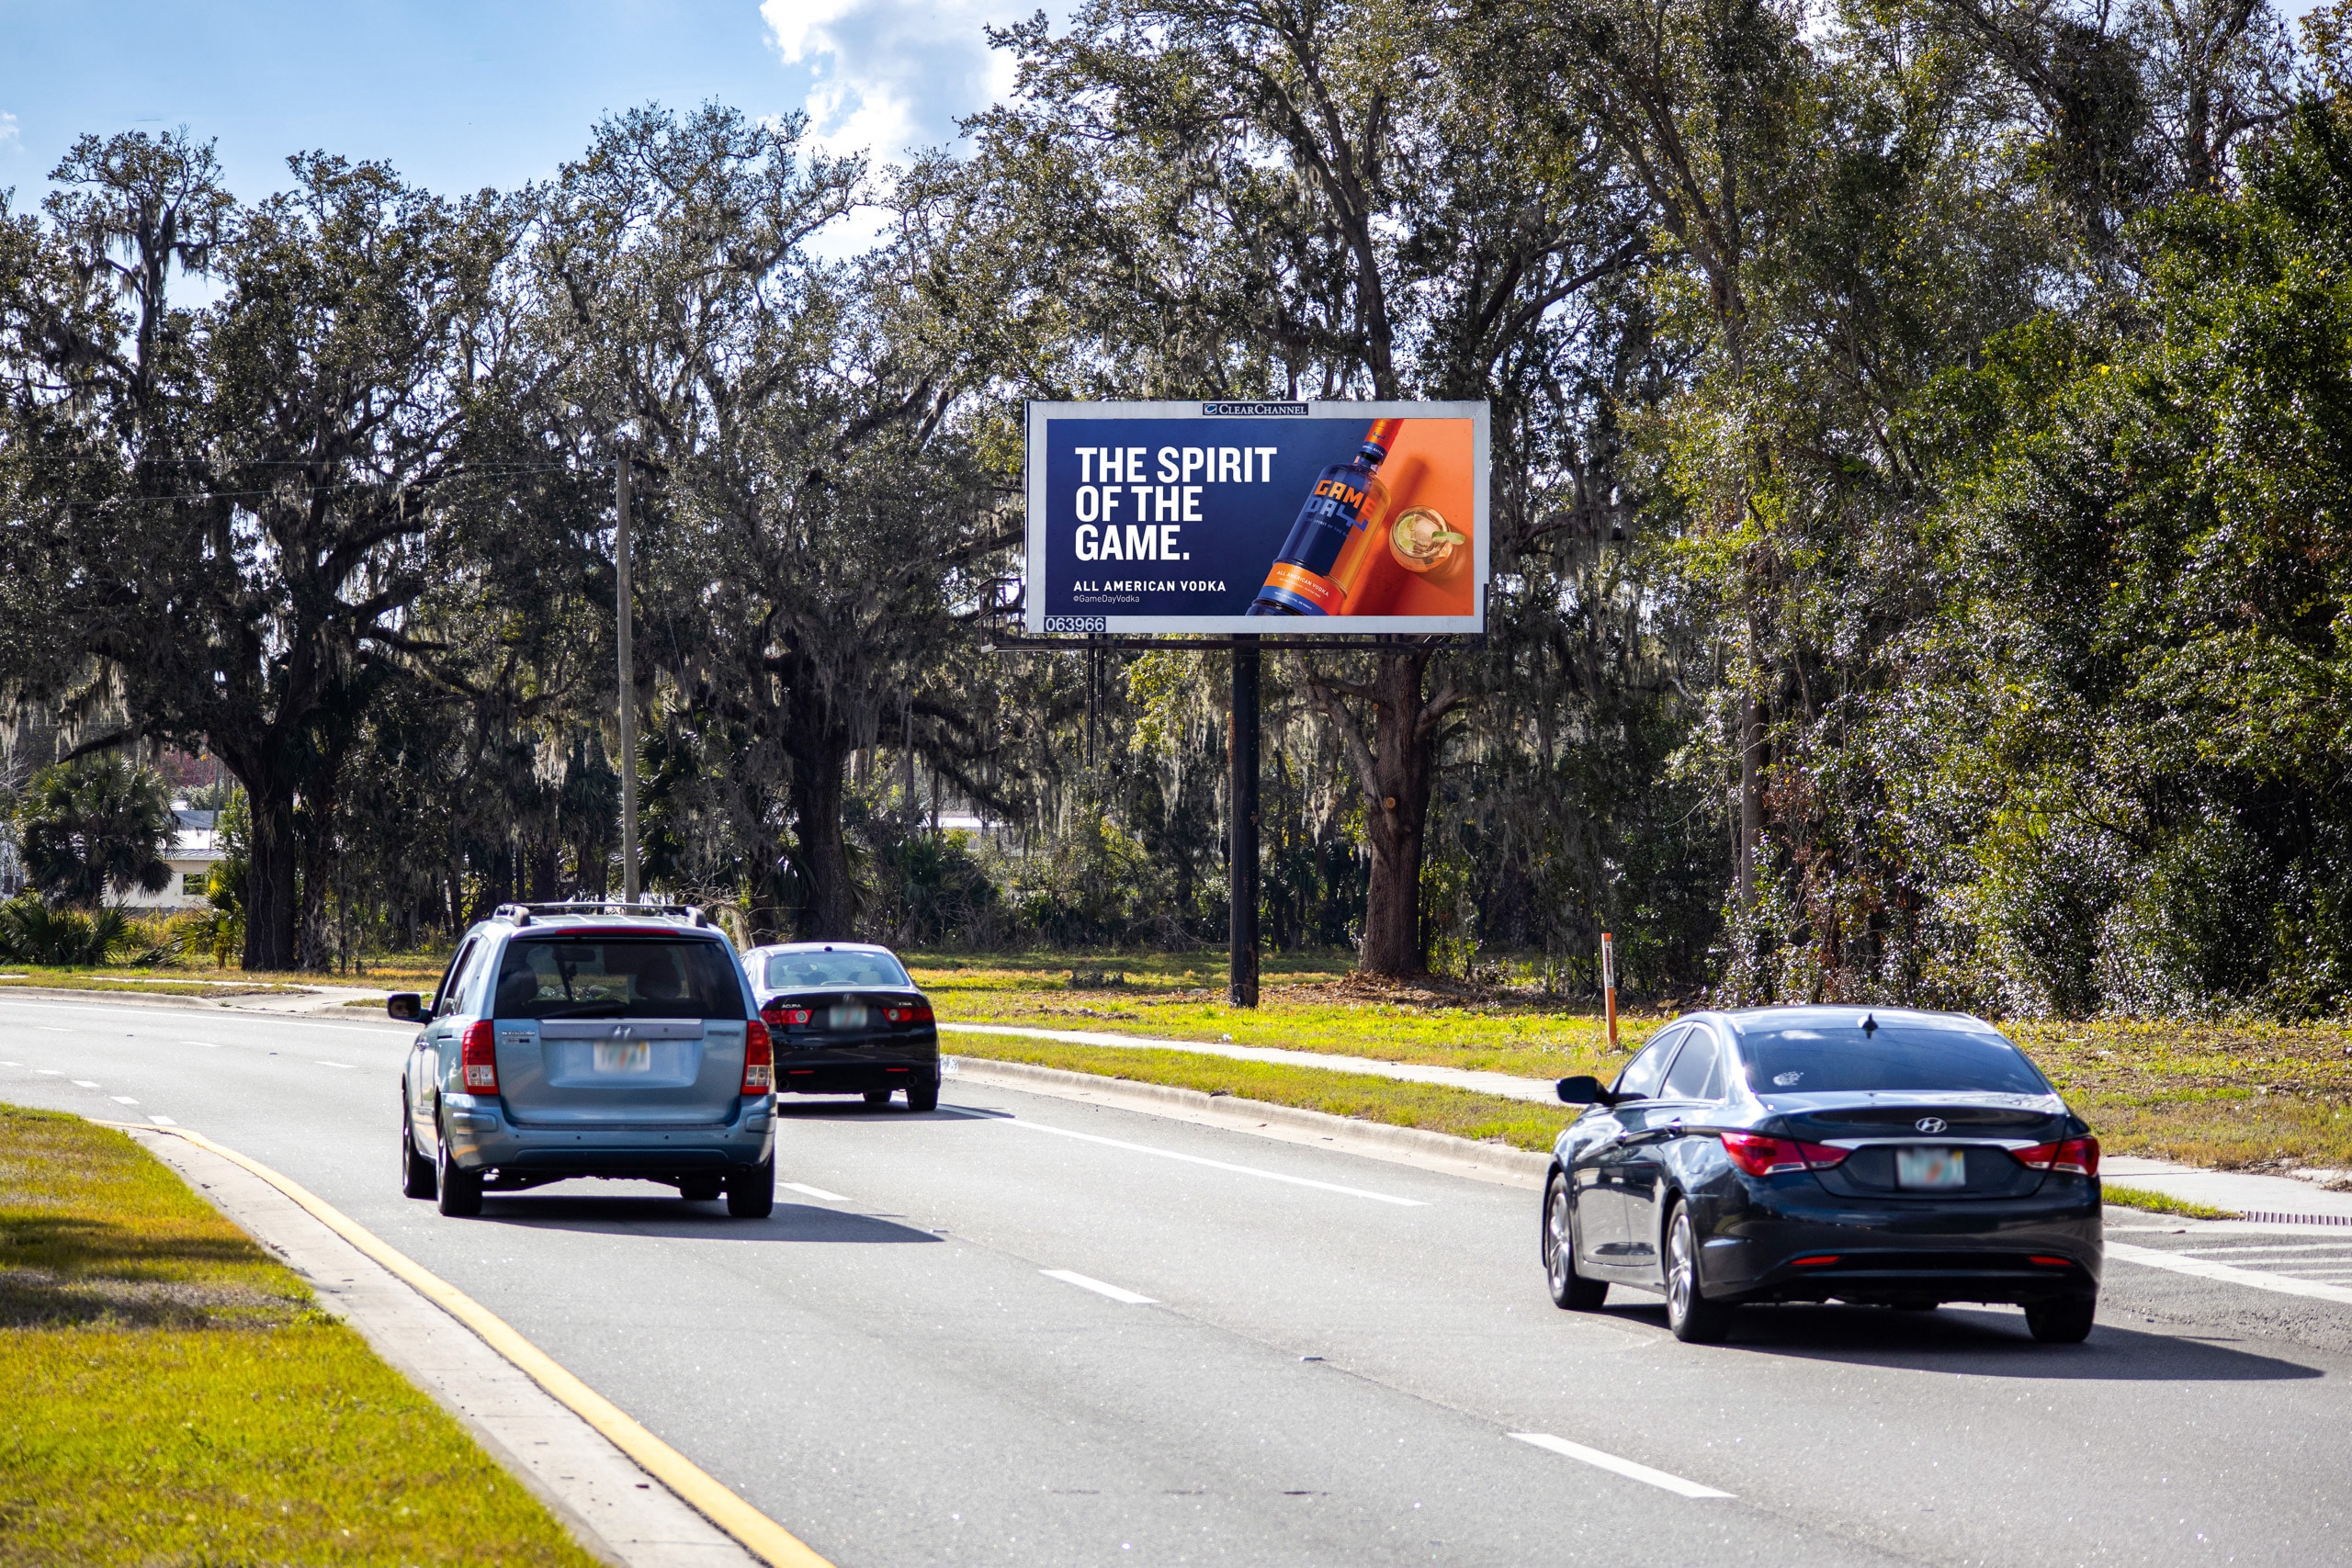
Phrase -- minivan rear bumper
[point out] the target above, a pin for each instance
(484, 1137)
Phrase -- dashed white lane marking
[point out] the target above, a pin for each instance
(344, 1065)
(2207, 1269)
(49, 1072)
(11, 1064)
(1212, 1164)
(209, 1045)
(122, 1100)
(1616, 1466)
(2281, 1247)
(1068, 1277)
(161, 1121)
(84, 1083)
(55, 1029)
(804, 1189)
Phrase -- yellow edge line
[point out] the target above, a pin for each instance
(758, 1533)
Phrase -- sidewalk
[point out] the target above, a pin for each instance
(1503, 1084)
(2274, 1198)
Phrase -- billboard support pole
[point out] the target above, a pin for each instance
(1241, 828)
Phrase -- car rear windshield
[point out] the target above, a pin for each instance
(1835, 1059)
(833, 971)
(624, 977)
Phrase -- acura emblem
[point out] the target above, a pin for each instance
(1932, 1123)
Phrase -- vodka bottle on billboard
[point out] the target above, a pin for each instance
(1333, 540)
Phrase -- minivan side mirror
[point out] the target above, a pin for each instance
(1582, 1089)
(405, 1006)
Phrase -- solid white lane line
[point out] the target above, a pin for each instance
(1069, 1278)
(122, 1100)
(2206, 1269)
(1212, 1164)
(1624, 1467)
(161, 1121)
(84, 1083)
(802, 1187)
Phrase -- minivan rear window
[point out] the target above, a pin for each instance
(1841, 1060)
(822, 971)
(623, 977)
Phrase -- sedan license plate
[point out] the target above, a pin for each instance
(846, 1015)
(1932, 1170)
(624, 1056)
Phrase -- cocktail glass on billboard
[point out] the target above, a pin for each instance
(1326, 517)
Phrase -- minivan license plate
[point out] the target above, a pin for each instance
(624, 1056)
(1933, 1169)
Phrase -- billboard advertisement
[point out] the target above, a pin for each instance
(1273, 517)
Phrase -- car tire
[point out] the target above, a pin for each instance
(1571, 1291)
(1694, 1319)
(750, 1192)
(923, 1096)
(417, 1178)
(877, 1097)
(459, 1190)
(701, 1189)
(2066, 1320)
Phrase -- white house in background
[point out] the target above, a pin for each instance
(193, 850)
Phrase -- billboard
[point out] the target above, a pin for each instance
(1317, 518)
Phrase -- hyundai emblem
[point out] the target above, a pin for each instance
(1932, 1123)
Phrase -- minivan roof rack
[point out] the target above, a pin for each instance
(523, 914)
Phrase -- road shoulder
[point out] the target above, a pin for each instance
(616, 1509)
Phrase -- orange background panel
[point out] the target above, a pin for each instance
(1428, 466)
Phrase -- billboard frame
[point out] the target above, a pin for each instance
(1035, 416)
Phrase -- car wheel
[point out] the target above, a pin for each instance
(877, 1097)
(2066, 1321)
(923, 1096)
(1571, 1291)
(417, 1176)
(750, 1192)
(1694, 1319)
(459, 1188)
(700, 1189)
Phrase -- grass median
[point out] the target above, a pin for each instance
(174, 1396)
(1523, 1125)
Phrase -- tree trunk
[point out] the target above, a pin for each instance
(270, 913)
(1395, 769)
(831, 912)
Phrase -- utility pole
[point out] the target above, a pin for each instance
(622, 618)
(1241, 833)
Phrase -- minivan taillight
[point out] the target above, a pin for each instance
(478, 1056)
(1760, 1155)
(2078, 1157)
(759, 1060)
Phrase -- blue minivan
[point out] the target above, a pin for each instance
(589, 1040)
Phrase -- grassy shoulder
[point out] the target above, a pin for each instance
(2149, 1200)
(2233, 1095)
(174, 1396)
(1521, 1123)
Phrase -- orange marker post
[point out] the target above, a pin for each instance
(1608, 985)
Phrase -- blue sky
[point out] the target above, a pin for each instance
(456, 97)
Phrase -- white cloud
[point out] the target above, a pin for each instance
(10, 137)
(893, 75)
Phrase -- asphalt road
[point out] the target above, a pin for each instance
(915, 1361)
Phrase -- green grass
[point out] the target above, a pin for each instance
(1521, 1123)
(174, 1396)
(2161, 1202)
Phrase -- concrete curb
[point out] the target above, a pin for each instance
(1498, 1163)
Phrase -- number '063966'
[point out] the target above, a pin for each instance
(1076, 623)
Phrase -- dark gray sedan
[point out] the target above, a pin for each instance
(1880, 1156)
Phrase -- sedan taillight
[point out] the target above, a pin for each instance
(478, 1056)
(779, 1016)
(919, 1012)
(759, 1060)
(1760, 1155)
(2076, 1155)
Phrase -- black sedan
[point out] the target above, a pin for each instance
(847, 1019)
(1886, 1157)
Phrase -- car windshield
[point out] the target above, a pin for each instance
(1841, 1060)
(634, 977)
(833, 971)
